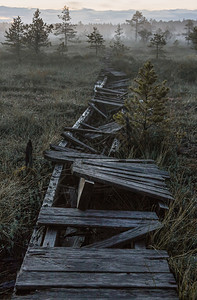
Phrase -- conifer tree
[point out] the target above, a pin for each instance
(117, 46)
(158, 41)
(145, 109)
(189, 26)
(96, 40)
(66, 29)
(14, 37)
(145, 35)
(137, 20)
(37, 33)
(193, 37)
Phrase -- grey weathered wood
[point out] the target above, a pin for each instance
(98, 110)
(129, 185)
(64, 156)
(117, 264)
(42, 280)
(81, 130)
(123, 238)
(59, 217)
(89, 294)
(107, 102)
(50, 238)
(93, 213)
(75, 141)
(85, 191)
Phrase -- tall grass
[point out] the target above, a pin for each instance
(37, 99)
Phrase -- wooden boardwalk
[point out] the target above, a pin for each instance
(84, 246)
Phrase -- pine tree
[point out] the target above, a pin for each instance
(117, 46)
(37, 33)
(145, 35)
(96, 40)
(145, 109)
(66, 29)
(189, 26)
(14, 37)
(137, 20)
(193, 37)
(158, 41)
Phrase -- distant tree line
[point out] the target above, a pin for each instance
(35, 36)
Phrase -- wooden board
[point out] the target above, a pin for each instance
(76, 141)
(61, 217)
(92, 213)
(42, 280)
(123, 238)
(89, 294)
(94, 175)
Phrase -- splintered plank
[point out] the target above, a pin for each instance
(85, 191)
(127, 236)
(95, 175)
(89, 294)
(75, 141)
(63, 217)
(64, 156)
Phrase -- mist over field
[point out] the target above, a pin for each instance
(92, 16)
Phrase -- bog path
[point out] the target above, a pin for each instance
(90, 241)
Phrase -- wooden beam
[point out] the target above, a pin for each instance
(85, 191)
(123, 238)
(98, 110)
(75, 141)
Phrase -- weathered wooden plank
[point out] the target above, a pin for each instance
(50, 238)
(96, 253)
(40, 280)
(88, 126)
(89, 294)
(107, 102)
(61, 220)
(91, 213)
(64, 156)
(75, 141)
(81, 130)
(159, 194)
(97, 110)
(116, 264)
(123, 238)
(85, 191)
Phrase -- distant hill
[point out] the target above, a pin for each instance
(92, 16)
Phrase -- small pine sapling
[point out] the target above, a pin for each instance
(144, 111)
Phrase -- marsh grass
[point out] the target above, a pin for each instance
(37, 99)
(175, 151)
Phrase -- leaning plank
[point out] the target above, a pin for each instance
(52, 217)
(64, 156)
(42, 280)
(75, 141)
(89, 294)
(98, 110)
(84, 193)
(81, 130)
(127, 236)
(159, 194)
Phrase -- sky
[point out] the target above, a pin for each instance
(103, 4)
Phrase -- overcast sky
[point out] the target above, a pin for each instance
(103, 4)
